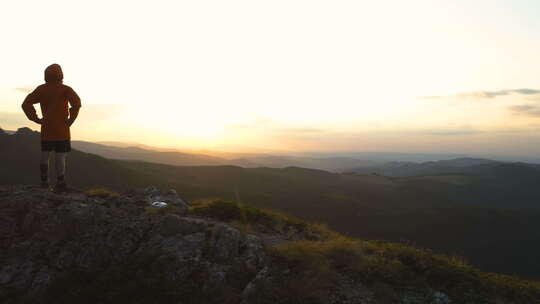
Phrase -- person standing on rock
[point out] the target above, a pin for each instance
(53, 97)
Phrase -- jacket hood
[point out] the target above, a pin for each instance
(53, 73)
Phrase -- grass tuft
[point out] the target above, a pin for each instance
(249, 219)
(101, 192)
(380, 263)
(160, 211)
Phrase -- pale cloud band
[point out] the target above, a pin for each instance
(488, 94)
(24, 89)
(528, 109)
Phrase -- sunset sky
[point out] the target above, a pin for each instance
(409, 76)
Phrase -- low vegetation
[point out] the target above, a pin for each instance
(163, 210)
(250, 219)
(101, 193)
(391, 269)
(315, 266)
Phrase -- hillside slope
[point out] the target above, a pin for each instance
(137, 153)
(20, 154)
(100, 247)
(201, 158)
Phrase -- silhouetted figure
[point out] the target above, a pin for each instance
(53, 97)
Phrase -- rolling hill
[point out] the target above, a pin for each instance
(246, 160)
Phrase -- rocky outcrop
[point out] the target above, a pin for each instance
(100, 247)
(51, 242)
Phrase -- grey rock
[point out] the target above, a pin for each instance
(224, 242)
(349, 291)
(7, 272)
(48, 237)
(8, 227)
(64, 259)
(41, 280)
(250, 288)
(170, 224)
(151, 190)
(252, 253)
(425, 296)
(441, 298)
(152, 195)
(63, 234)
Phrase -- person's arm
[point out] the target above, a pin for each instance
(28, 107)
(75, 104)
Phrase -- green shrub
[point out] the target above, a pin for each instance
(379, 263)
(101, 192)
(248, 219)
(450, 274)
(220, 209)
(164, 210)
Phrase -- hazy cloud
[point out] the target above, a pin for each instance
(100, 112)
(14, 120)
(488, 94)
(300, 130)
(272, 126)
(431, 97)
(526, 109)
(275, 128)
(25, 89)
(484, 94)
(451, 132)
(527, 91)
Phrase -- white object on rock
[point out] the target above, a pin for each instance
(159, 204)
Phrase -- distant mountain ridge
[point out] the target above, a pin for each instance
(179, 158)
(383, 163)
(463, 166)
(137, 153)
(2, 131)
(452, 166)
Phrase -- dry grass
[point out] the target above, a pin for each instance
(164, 210)
(316, 263)
(101, 192)
(379, 263)
(251, 220)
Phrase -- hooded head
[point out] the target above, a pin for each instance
(53, 73)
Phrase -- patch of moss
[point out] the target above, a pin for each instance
(101, 192)
(164, 210)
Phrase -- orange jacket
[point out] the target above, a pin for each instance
(53, 98)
